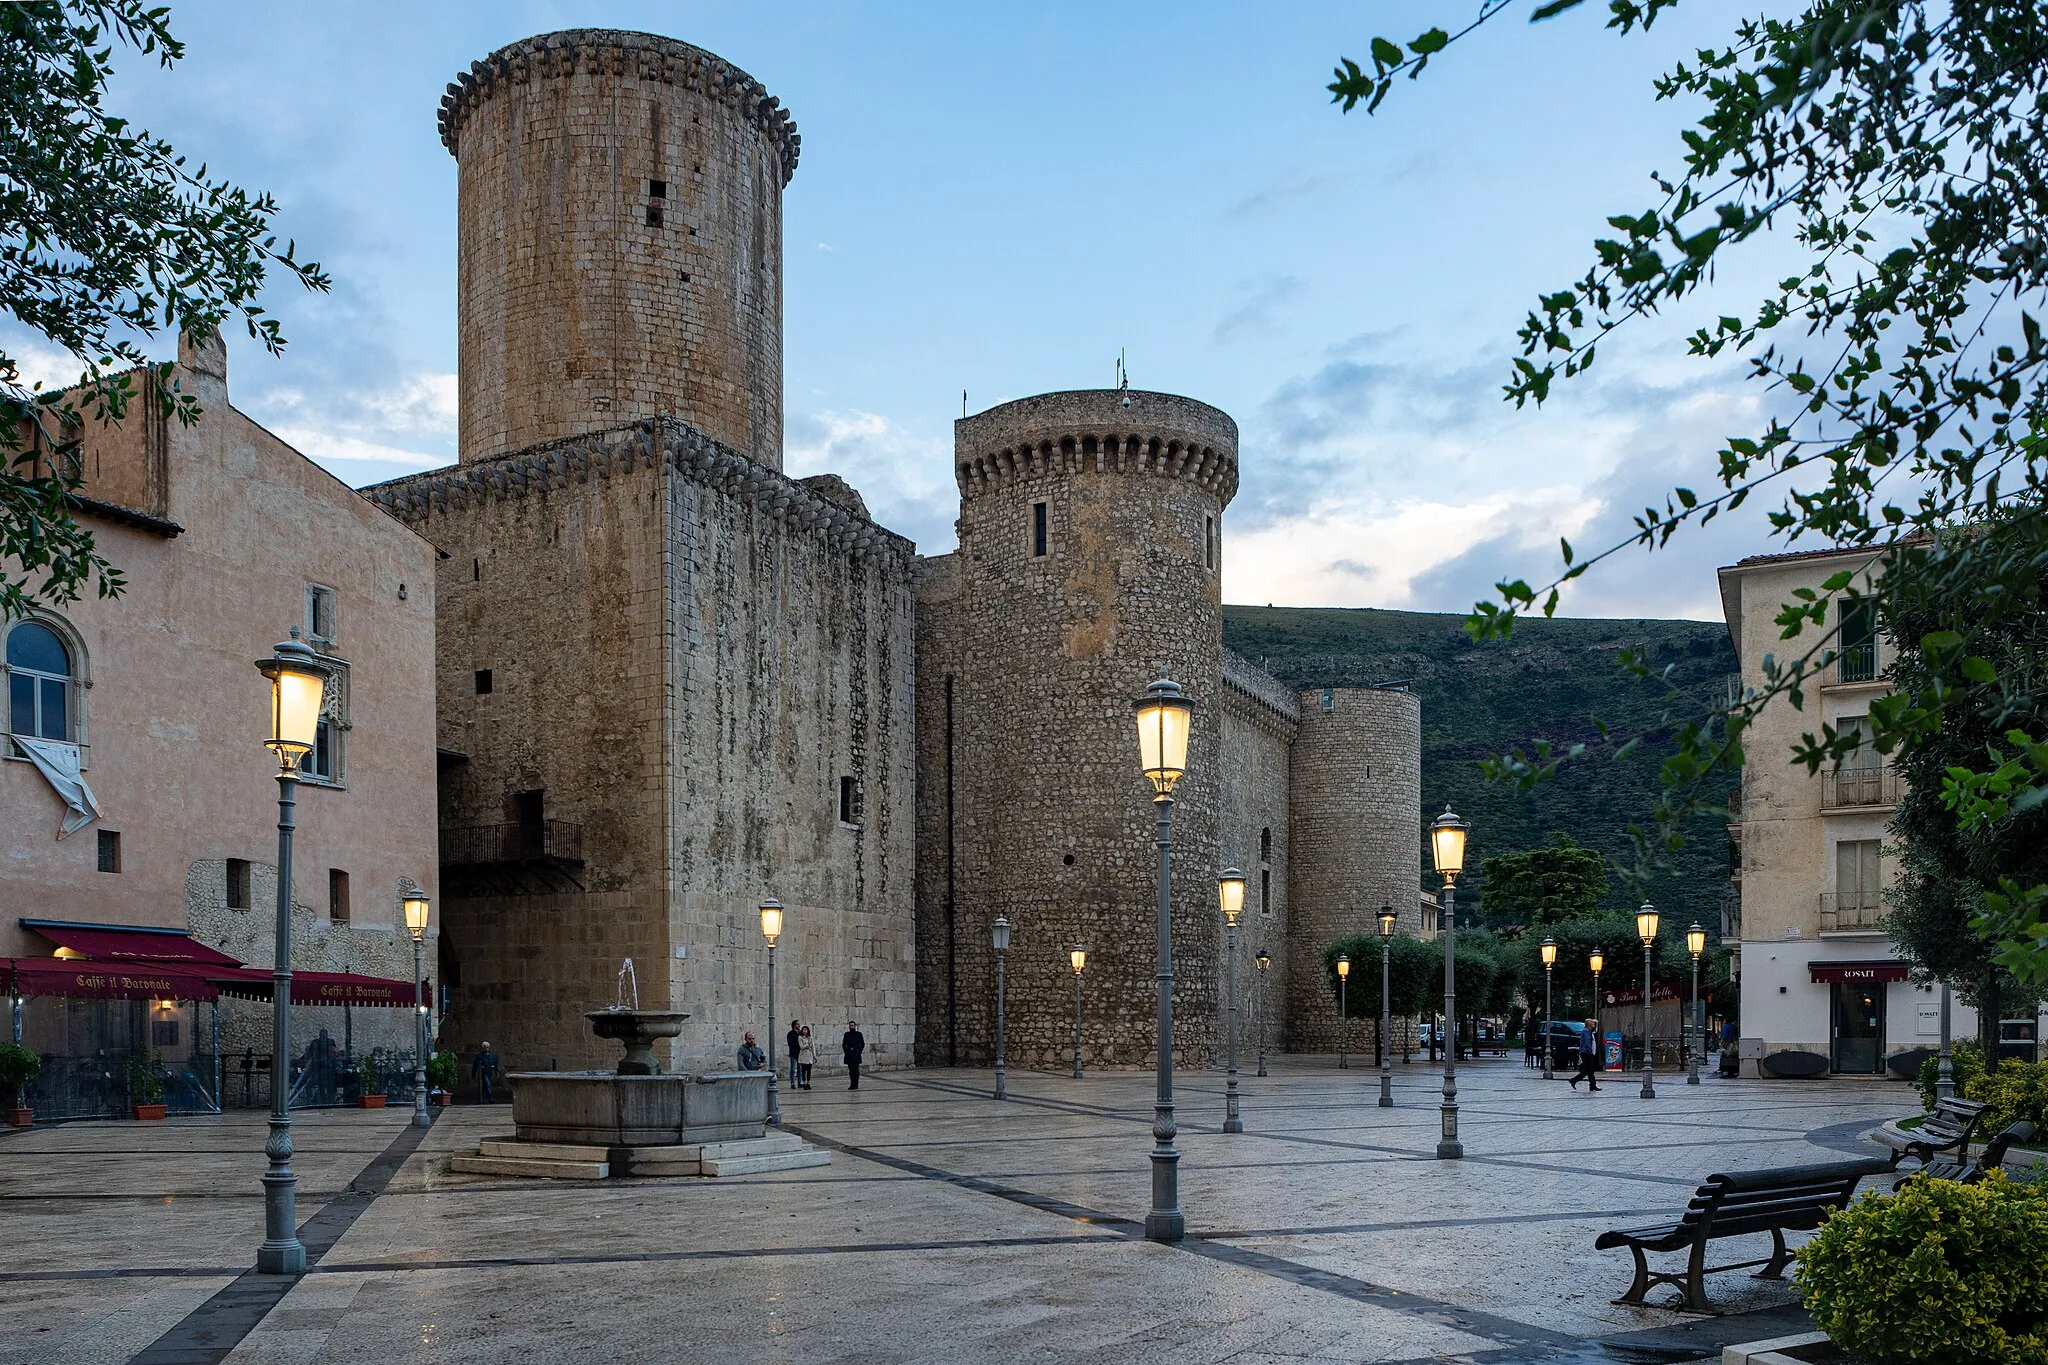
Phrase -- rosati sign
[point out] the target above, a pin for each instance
(1826, 973)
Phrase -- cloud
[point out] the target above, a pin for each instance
(367, 434)
(1278, 193)
(1255, 317)
(905, 479)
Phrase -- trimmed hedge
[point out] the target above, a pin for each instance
(1939, 1274)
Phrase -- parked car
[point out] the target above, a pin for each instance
(1562, 1037)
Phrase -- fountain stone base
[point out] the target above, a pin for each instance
(599, 1109)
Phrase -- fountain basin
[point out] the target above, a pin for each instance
(636, 1029)
(597, 1108)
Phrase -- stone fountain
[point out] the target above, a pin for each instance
(638, 1120)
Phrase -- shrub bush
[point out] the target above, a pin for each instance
(441, 1070)
(1941, 1274)
(1966, 1062)
(18, 1066)
(2016, 1091)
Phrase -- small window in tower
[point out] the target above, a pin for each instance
(1038, 530)
(657, 189)
(1209, 542)
(238, 883)
(476, 571)
(1265, 890)
(483, 681)
(654, 215)
(849, 801)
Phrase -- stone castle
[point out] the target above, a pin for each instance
(674, 680)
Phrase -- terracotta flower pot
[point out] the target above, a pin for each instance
(20, 1118)
(370, 1101)
(147, 1112)
(441, 1099)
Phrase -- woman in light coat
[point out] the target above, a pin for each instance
(806, 1057)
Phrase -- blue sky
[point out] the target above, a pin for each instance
(999, 199)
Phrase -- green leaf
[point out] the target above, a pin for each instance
(1978, 670)
(1386, 53)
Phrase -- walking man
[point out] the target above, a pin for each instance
(795, 1040)
(751, 1057)
(1589, 1057)
(851, 1047)
(483, 1069)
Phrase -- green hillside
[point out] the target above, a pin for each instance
(1548, 683)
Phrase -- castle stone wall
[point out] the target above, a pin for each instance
(620, 248)
(1052, 824)
(1260, 717)
(1357, 806)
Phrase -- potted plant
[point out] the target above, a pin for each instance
(441, 1074)
(146, 1090)
(18, 1066)
(372, 1096)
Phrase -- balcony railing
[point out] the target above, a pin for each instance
(1731, 915)
(1849, 912)
(530, 842)
(1856, 663)
(1842, 788)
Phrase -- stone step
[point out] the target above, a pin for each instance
(683, 1161)
(531, 1167)
(760, 1146)
(772, 1161)
(541, 1151)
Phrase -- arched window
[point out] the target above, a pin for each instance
(39, 683)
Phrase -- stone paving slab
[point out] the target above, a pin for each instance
(949, 1227)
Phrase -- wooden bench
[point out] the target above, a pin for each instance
(1788, 1199)
(1960, 1168)
(1948, 1129)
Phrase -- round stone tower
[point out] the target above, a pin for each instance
(1088, 563)
(1356, 800)
(619, 242)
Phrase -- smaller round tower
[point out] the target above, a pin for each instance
(1356, 800)
(1088, 563)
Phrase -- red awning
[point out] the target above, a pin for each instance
(129, 943)
(106, 980)
(319, 988)
(1824, 973)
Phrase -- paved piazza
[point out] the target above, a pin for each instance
(948, 1227)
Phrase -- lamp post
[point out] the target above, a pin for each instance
(1388, 919)
(1696, 943)
(298, 688)
(1549, 961)
(1165, 716)
(1002, 942)
(1646, 930)
(1230, 895)
(1447, 849)
(771, 929)
(1265, 960)
(1078, 956)
(1944, 1070)
(1343, 1011)
(416, 908)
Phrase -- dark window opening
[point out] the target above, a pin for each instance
(238, 883)
(476, 571)
(686, 277)
(529, 814)
(337, 895)
(1209, 546)
(657, 189)
(654, 215)
(163, 1033)
(1265, 890)
(483, 681)
(1038, 530)
(320, 763)
(849, 801)
(1068, 860)
(1858, 643)
(110, 851)
(1266, 844)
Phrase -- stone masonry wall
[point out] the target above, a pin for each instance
(1357, 806)
(1052, 821)
(1260, 717)
(620, 247)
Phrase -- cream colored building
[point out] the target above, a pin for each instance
(227, 538)
(1818, 974)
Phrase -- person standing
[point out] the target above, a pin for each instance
(792, 1040)
(751, 1057)
(1589, 1057)
(806, 1058)
(851, 1047)
(483, 1069)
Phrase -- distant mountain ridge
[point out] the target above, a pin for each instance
(1548, 682)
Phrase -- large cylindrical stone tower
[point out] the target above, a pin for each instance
(1088, 566)
(1356, 804)
(620, 242)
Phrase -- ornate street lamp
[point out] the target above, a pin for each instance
(1388, 919)
(1002, 944)
(771, 929)
(1696, 943)
(1447, 847)
(1596, 962)
(1265, 960)
(1549, 961)
(1165, 718)
(416, 910)
(1343, 1011)
(1078, 957)
(298, 689)
(1646, 930)
(1230, 895)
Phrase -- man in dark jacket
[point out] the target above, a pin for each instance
(1589, 1057)
(795, 1041)
(851, 1047)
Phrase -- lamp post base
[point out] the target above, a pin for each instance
(1165, 1225)
(289, 1259)
(1649, 1090)
(1449, 1151)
